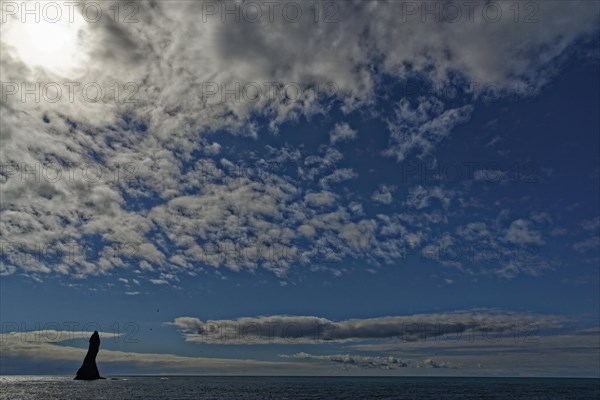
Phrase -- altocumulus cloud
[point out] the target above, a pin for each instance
(180, 97)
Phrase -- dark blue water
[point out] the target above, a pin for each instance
(296, 388)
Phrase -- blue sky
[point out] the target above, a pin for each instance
(440, 185)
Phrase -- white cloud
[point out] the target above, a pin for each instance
(473, 231)
(592, 243)
(592, 224)
(520, 232)
(420, 197)
(490, 176)
(342, 132)
(421, 129)
(349, 360)
(337, 176)
(324, 198)
(383, 194)
(372, 362)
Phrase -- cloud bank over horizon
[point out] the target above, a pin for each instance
(285, 329)
(512, 338)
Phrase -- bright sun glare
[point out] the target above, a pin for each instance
(54, 46)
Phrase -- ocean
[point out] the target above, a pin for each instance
(296, 388)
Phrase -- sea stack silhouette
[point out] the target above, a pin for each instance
(89, 370)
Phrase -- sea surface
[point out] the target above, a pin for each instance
(296, 388)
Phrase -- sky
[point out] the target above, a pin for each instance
(403, 188)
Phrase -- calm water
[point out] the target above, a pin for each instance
(296, 388)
